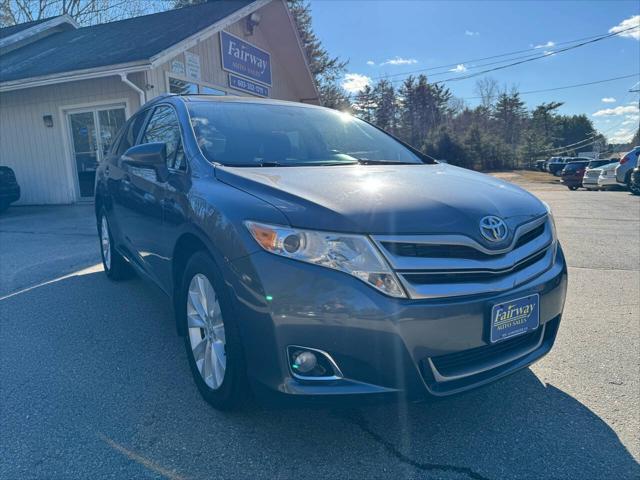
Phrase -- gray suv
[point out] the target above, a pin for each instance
(309, 254)
(626, 166)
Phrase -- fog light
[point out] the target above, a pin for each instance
(304, 362)
(312, 364)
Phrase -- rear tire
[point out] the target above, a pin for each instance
(572, 188)
(114, 264)
(212, 339)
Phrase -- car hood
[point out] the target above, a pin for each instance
(385, 199)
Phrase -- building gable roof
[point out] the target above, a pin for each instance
(115, 43)
(13, 29)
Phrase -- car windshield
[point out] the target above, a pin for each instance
(597, 163)
(255, 134)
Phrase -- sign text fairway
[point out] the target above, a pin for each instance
(245, 59)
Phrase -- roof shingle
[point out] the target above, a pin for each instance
(13, 29)
(124, 41)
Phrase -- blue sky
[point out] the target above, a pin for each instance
(391, 37)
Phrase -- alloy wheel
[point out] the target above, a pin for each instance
(206, 331)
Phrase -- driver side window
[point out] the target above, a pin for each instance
(164, 127)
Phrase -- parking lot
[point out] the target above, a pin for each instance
(94, 383)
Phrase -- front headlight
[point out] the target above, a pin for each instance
(552, 222)
(352, 254)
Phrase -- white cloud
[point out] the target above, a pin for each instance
(609, 100)
(630, 22)
(549, 44)
(460, 68)
(548, 53)
(621, 110)
(632, 120)
(469, 33)
(400, 61)
(623, 135)
(371, 62)
(354, 82)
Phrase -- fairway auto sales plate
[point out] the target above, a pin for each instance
(514, 317)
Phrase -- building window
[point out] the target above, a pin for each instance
(184, 87)
(211, 91)
(181, 87)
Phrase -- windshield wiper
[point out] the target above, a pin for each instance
(384, 162)
(368, 161)
(256, 164)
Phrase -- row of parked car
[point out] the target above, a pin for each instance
(597, 174)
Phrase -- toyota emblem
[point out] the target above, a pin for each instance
(493, 228)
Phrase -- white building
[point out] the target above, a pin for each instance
(65, 90)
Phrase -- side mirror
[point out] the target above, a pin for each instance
(149, 155)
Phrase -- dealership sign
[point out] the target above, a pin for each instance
(244, 85)
(245, 59)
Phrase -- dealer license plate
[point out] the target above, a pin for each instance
(514, 317)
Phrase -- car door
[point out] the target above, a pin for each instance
(118, 181)
(142, 193)
(175, 208)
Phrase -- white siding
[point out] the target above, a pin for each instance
(208, 50)
(38, 154)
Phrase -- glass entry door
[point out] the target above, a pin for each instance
(92, 132)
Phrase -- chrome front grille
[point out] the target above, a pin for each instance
(439, 266)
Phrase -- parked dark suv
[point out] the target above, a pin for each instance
(309, 254)
(573, 173)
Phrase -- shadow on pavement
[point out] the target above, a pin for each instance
(95, 383)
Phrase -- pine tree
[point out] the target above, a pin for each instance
(365, 104)
(423, 108)
(386, 109)
(510, 114)
(325, 68)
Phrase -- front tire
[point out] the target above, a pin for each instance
(114, 264)
(572, 188)
(212, 340)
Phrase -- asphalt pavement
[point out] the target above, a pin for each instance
(94, 383)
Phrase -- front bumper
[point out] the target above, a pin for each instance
(607, 181)
(382, 345)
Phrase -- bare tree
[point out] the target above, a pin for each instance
(487, 89)
(85, 12)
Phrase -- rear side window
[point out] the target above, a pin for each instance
(164, 127)
(131, 133)
(574, 166)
